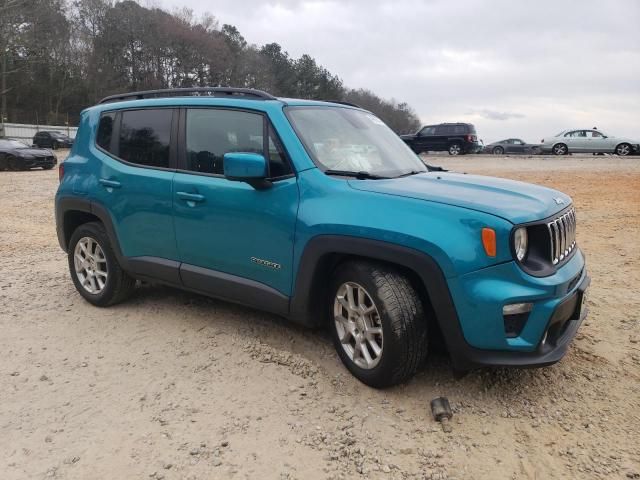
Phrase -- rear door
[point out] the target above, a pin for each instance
(227, 231)
(571, 140)
(580, 143)
(134, 181)
(441, 138)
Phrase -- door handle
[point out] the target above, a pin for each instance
(190, 197)
(109, 183)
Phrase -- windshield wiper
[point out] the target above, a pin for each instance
(412, 172)
(362, 175)
(435, 168)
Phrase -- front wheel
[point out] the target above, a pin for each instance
(378, 323)
(560, 149)
(498, 151)
(623, 149)
(455, 149)
(94, 268)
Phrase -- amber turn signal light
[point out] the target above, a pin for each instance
(489, 241)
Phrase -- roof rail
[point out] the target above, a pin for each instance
(349, 104)
(189, 92)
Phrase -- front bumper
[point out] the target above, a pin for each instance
(48, 161)
(558, 310)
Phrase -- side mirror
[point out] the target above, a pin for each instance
(246, 167)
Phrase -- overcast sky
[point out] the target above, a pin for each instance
(513, 68)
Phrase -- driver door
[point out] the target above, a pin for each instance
(517, 146)
(597, 142)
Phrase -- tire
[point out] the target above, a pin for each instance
(623, 149)
(398, 310)
(455, 149)
(54, 145)
(560, 149)
(117, 286)
(498, 151)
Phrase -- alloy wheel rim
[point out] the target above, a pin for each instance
(90, 265)
(623, 150)
(454, 149)
(358, 325)
(560, 149)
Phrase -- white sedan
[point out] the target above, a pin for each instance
(588, 141)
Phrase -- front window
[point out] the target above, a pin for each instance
(210, 133)
(352, 140)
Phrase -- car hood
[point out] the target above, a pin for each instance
(33, 152)
(517, 202)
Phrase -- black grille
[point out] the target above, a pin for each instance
(562, 232)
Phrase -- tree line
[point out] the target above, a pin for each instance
(60, 56)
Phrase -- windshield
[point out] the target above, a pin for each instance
(12, 144)
(344, 139)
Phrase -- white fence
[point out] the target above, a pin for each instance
(26, 132)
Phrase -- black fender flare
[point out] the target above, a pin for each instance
(304, 310)
(68, 204)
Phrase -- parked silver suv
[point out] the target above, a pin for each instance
(588, 141)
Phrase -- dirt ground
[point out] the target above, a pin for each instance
(178, 386)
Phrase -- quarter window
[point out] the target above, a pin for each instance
(105, 129)
(211, 133)
(145, 136)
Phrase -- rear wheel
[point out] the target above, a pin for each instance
(94, 268)
(623, 149)
(378, 323)
(455, 149)
(560, 149)
(498, 151)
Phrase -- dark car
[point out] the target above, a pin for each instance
(512, 145)
(15, 155)
(52, 139)
(455, 138)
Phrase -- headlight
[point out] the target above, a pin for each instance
(520, 243)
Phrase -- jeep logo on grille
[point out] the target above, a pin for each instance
(265, 263)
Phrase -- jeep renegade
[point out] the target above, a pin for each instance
(318, 212)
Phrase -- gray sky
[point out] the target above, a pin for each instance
(513, 68)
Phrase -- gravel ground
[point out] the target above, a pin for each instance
(178, 386)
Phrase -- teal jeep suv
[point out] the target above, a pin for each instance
(318, 212)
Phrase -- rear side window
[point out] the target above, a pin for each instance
(210, 133)
(105, 131)
(145, 136)
(459, 129)
(445, 130)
